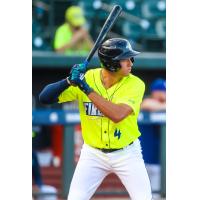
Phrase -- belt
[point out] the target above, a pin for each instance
(111, 150)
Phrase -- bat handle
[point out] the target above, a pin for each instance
(86, 62)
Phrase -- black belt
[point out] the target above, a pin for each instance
(111, 150)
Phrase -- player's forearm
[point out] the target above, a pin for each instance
(52, 91)
(115, 112)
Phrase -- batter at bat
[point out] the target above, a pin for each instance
(109, 103)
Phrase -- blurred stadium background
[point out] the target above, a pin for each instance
(56, 130)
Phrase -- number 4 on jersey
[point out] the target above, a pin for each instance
(117, 133)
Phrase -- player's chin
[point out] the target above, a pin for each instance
(127, 72)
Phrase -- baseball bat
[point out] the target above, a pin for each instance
(105, 29)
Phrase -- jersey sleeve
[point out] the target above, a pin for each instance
(70, 94)
(133, 97)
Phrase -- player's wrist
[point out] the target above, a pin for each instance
(85, 87)
(89, 90)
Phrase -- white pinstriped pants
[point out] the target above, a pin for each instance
(94, 166)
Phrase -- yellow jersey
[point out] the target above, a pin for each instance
(97, 130)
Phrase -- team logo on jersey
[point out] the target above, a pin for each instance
(117, 133)
(91, 109)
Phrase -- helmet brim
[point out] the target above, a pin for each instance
(127, 55)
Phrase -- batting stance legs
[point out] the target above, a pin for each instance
(94, 166)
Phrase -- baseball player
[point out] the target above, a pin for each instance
(109, 102)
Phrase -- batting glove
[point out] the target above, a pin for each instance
(81, 68)
(77, 78)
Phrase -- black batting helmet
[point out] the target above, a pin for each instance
(113, 50)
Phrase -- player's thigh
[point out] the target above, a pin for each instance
(88, 175)
(137, 182)
(133, 174)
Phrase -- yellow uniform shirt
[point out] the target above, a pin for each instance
(98, 130)
(63, 35)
